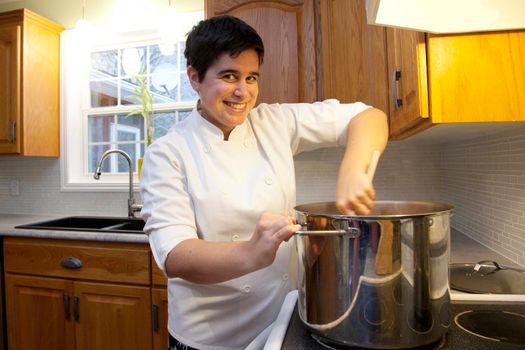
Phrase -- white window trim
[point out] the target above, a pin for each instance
(74, 102)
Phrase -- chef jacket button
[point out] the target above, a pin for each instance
(246, 288)
(207, 149)
(247, 143)
(285, 277)
(268, 180)
(235, 238)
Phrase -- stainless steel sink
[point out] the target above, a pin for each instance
(90, 223)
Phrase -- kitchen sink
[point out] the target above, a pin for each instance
(90, 223)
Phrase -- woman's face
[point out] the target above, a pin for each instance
(229, 89)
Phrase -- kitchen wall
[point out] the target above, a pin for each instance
(482, 176)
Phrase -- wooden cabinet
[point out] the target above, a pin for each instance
(477, 77)
(287, 27)
(29, 79)
(77, 295)
(353, 54)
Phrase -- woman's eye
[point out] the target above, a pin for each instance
(229, 77)
(252, 78)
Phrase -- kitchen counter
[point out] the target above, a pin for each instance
(464, 248)
(9, 221)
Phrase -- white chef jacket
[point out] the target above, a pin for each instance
(194, 184)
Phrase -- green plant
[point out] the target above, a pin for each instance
(145, 99)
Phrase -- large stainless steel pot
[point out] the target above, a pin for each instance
(377, 281)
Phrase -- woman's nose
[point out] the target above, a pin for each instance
(241, 89)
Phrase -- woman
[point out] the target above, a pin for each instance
(219, 187)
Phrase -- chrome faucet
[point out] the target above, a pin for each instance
(132, 206)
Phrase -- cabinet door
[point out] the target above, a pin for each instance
(10, 45)
(287, 29)
(112, 317)
(478, 77)
(407, 78)
(159, 301)
(38, 314)
(354, 60)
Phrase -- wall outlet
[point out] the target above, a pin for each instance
(15, 188)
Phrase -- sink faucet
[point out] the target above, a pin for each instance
(132, 206)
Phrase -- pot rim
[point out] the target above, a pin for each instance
(385, 209)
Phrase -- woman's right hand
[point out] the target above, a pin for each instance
(271, 230)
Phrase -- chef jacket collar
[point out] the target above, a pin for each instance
(210, 132)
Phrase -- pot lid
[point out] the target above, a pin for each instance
(487, 277)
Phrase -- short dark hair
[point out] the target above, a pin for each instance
(214, 36)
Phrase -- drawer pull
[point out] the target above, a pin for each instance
(71, 263)
(75, 308)
(155, 317)
(66, 307)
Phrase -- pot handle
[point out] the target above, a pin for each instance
(353, 232)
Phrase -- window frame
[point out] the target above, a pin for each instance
(76, 47)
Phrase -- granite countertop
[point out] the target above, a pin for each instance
(9, 221)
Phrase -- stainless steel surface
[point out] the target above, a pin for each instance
(388, 287)
(132, 206)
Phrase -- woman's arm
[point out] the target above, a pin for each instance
(367, 132)
(201, 261)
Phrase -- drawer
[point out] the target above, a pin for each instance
(89, 260)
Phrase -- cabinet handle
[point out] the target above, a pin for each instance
(67, 314)
(155, 317)
(397, 101)
(71, 263)
(75, 308)
(13, 134)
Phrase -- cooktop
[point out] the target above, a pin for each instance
(497, 324)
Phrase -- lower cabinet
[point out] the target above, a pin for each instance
(81, 295)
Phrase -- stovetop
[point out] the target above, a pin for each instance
(298, 336)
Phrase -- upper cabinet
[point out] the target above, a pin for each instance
(353, 61)
(29, 76)
(287, 28)
(478, 77)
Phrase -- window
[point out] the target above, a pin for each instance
(99, 72)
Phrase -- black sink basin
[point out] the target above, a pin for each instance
(90, 223)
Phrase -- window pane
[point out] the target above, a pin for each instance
(163, 122)
(127, 91)
(164, 86)
(130, 128)
(104, 64)
(94, 154)
(104, 93)
(157, 59)
(133, 61)
(186, 91)
(99, 127)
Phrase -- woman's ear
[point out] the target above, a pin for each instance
(193, 76)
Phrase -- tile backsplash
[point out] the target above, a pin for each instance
(482, 177)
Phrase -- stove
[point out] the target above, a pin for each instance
(298, 337)
(470, 313)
